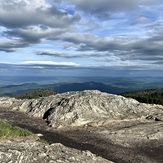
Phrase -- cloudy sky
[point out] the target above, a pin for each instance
(81, 37)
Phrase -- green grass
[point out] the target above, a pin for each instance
(7, 130)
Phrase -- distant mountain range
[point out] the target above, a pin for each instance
(114, 87)
(61, 87)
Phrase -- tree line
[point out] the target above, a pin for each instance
(35, 94)
(151, 96)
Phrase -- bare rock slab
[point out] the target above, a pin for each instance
(84, 107)
(36, 152)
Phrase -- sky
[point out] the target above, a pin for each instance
(81, 38)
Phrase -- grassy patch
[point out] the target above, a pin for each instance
(7, 130)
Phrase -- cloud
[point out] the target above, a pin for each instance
(141, 20)
(70, 55)
(22, 13)
(149, 48)
(50, 63)
(33, 34)
(103, 8)
(37, 68)
(12, 45)
(39, 63)
(39, 21)
(31, 22)
(94, 33)
(116, 48)
(88, 42)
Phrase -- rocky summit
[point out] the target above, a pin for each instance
(116, 128)
(85, 107)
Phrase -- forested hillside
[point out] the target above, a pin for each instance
(151, 96)
(35, 94)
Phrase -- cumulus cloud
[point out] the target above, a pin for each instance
(31, 21)
(123, 48)
(12, 45)
(22, 13)
(126, 34)
(33, 34)
(88, 42)
(103, 8)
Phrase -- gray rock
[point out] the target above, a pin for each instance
(85, 107)
(36, 152)
(127, 136)
(123, 128)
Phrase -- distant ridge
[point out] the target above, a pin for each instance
(88, 86)
(61, 87)
(109, 85)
